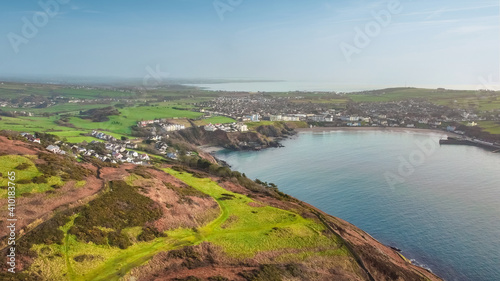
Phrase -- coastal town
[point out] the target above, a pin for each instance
(250, 110)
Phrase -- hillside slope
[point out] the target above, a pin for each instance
(169, 222)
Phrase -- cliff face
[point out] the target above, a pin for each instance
(263, 137)
(177, 223)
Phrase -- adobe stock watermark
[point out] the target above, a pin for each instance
(31, 27)
(489, 84)
(154, 78)
(364, 36)
(224, 6)
(408, 164)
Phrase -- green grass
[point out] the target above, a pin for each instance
(215, 120)
(121, 125)
(13, 90)
(491, 127)
(9, 163)
(482, 101)
(32, 124)
(256, 229)
(59, 108)
(397, 94)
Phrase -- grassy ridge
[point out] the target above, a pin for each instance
(255, 228)
(24, 177)
(242, 231)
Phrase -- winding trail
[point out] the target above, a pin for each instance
(139, 254)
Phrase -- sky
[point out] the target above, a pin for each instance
(368, 42)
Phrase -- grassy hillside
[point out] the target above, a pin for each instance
(243, 229)
(123, 222)
(484, 101)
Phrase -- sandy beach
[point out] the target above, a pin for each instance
(382, 129)
(210, 149)
(213, 149)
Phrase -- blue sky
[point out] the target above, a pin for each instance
(426, 42)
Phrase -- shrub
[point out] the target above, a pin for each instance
(118, 239)
(117, 209)
(23, 166)
(40, 179)
(149, 233)
(217, 278)
(24, 181)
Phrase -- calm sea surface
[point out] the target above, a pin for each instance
(307, 86)
(439, 204)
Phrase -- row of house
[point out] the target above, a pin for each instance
(232, 127)
(103, 136)
(55, 149)
(30, 137)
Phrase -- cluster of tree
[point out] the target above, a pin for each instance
(99, 114)
(7, 113)
(123, 206)
(65, 167)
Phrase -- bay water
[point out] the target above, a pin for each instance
(439, 204)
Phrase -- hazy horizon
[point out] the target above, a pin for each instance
(387, 43)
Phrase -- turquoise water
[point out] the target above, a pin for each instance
(442, 209)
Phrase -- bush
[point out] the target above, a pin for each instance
(24, 181)
(217, 278)
(61, 166)
(149, 233)
(117, 209)
(40, 179)
(82, 258)
(118, 239)
(46, 233)
(22, 166)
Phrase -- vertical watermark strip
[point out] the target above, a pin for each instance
(11, 222)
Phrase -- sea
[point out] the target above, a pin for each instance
(439, 204)
(310, 86)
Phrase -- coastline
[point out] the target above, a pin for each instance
(212, 150)
(382, 129)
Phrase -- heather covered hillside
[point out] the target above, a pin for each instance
(101, 221)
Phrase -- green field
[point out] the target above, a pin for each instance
(32, 124)
(9, 163)
(59, 108)
(215, 120)
(491, 127)
(129, 117)
(249, 231)
(117, 126)
(13, 90)
(483, 101)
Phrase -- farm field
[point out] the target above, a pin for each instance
(32, 124)
(129, 117)
(484, 101)
(59, 108)
(117, 126)
(214, 120)
(13, 90)
(491, 127)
